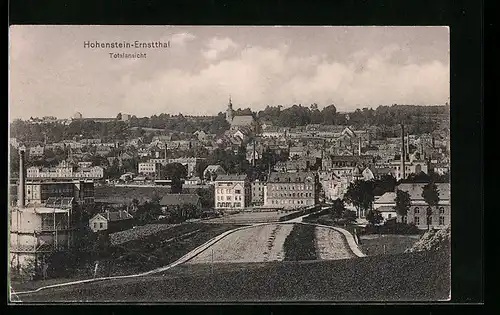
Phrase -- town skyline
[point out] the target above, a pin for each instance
(52, 74)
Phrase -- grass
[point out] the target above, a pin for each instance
(422, 276)
(143, 254)
(386, 244)
(300, 243)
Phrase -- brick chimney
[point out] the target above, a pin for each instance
(22, 178)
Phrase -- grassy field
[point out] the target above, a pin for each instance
(300, 243)
(422, 276)
(147, 253)
(386, 244)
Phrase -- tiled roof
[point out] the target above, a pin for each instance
(242, 120)
(299, 177)
(231, 177)
(415, 190)
(179, 199)
(388, 197)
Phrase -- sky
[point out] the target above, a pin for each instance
(51, 73)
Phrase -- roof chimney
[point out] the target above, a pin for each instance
(22, 178)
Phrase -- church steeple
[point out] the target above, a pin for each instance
(229, 111)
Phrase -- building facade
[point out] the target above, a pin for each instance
(291, 190)
(257, 193)
(232, 192)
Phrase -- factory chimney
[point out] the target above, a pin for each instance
(359, 147)
(403, 153)
(22, 178)
(407, 142)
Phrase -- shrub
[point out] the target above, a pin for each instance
(392, 228)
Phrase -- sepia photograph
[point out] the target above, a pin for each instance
(221, 164)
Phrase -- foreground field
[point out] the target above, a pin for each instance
(256, 244)
(422, 276)
(386, 244)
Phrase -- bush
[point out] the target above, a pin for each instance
(392, 228)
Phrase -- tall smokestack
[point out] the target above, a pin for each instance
(407, 142)
(403, 154)
(22, 178)
(359, 147)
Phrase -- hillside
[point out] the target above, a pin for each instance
(419, 276)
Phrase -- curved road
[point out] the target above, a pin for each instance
(198, 251)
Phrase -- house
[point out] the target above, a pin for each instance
(385, 205)
(147, 168)
(111, 221)
(193, 181)
(232, 192)
(201, 135)
(334, 186)
(186, 205)
(102, 150)
(37, 151)
(417, 214)
(441, 215)
(257, 188)
(291, 190)
(212, 171)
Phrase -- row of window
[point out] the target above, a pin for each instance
(300, 187)
(290, 195)
(416, 220)
(228, 204)
(294, 202)
(417, 210)
(227, 191)
(228, 198)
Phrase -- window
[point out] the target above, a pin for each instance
(441, 210)
(441, 220)
(417, 210)
(404, 219)
(390, 215)
(416, 220)
(237, 191)
(100, 225)
(228, 198)
(95, 225)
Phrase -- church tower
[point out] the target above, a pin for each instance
(229, 111)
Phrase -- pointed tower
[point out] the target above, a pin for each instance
(229, 111)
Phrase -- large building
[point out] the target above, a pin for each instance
(291, 190)
(38, 191)
(147, 168)
(232, 192)
(66, 170)
(417, 214)
(236, 122)
(258, 193)
(36, 231)
(42, 220)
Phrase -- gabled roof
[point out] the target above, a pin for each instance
(242, 120)
(388, 197)
(298, 177)
(231, 177)
(113, 216)
(179, 199)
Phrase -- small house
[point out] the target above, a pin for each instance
(111, 221)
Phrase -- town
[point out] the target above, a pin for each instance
(99, 185)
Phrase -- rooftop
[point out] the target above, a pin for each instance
(231, 177)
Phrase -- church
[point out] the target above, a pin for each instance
(240, 121)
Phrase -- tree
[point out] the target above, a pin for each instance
(338, 209)
(403, 202)
(374, 217)
(175, 172)
(360, 194)
(119, 116)
(430, 193)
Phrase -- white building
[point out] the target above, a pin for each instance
(232, 192)
(37, 231)
(65, 170)
(146, 168)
